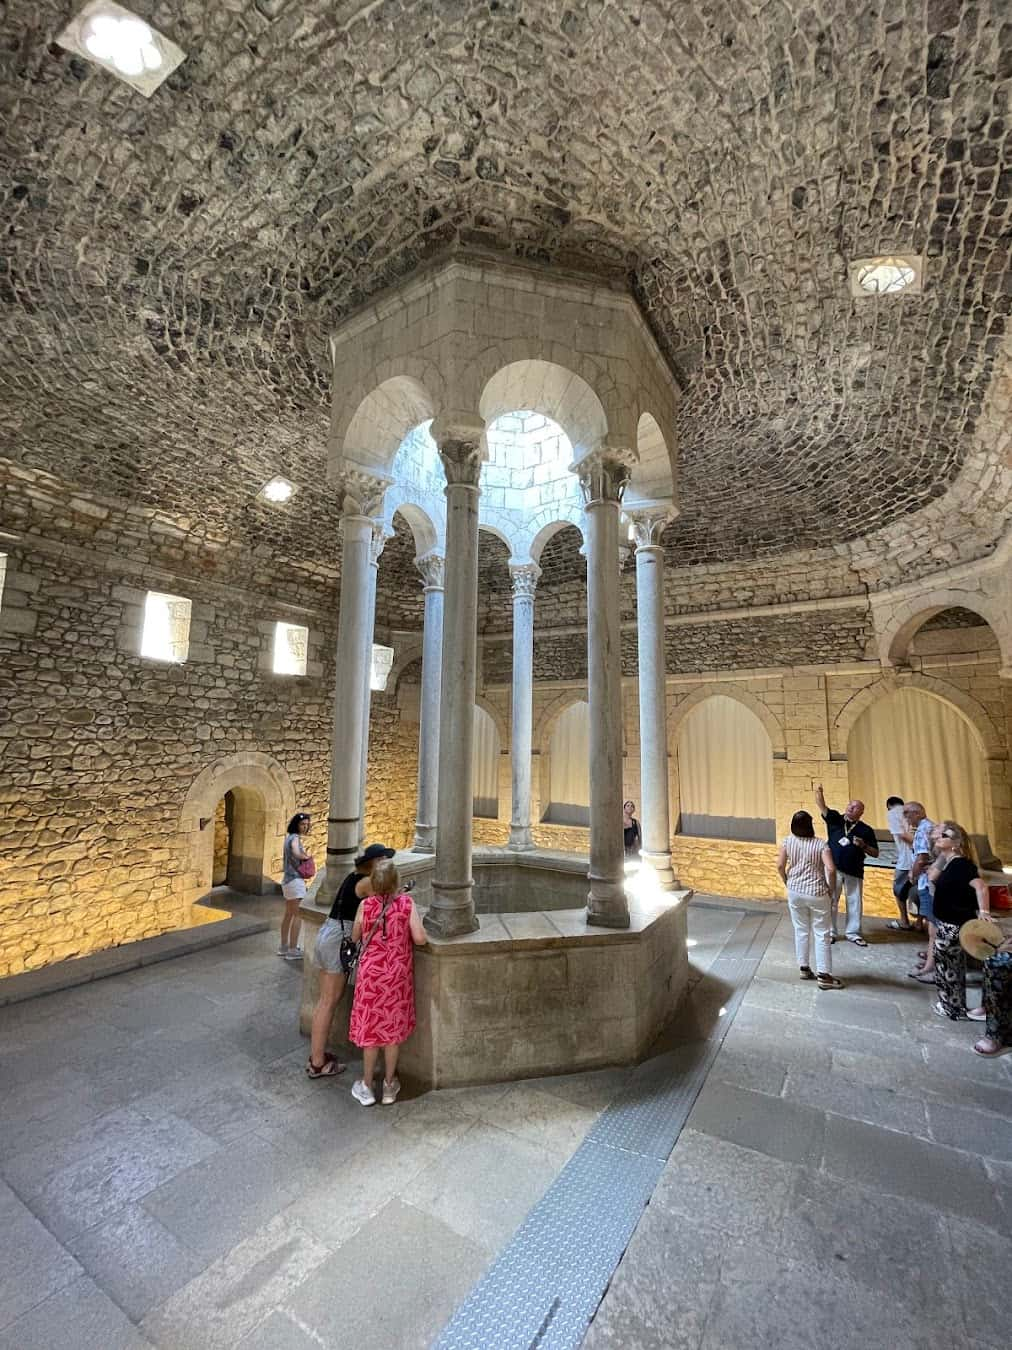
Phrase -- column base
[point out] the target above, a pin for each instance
(661, 864)
(447, 918)
(607, 906)
(425, 839)
(521, 840)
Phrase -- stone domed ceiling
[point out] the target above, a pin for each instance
(171, 267)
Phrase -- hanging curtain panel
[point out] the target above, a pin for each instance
(725, 773)
(569, 768)
(910, 744)
(485, 766)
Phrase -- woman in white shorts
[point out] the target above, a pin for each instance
(293, 885)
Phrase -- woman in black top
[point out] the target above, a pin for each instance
(959, 895)
(327, 959)
(630, 829)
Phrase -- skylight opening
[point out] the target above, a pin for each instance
(885, 275)
(124, 44)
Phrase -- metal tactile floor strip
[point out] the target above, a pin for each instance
(544, 1287)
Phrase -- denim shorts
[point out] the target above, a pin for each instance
(327, 952)
(925, 904)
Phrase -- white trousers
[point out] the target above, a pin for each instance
(853, 889)
(812, 914)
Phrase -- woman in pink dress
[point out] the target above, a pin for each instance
(383, 1013)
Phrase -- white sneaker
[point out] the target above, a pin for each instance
(362, 1093)
(293, 954)
(282, 951)
(390, 1091)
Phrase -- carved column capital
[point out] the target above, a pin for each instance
(461, 461)
(649, 522)
(380, 534)
(525, 577)
(361, 490)
(604, 474)
(431, 567)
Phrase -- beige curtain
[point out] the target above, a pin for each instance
(725, 769)
(569, 758)
(485, 765)
(910, 744)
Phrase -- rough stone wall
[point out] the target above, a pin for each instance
(392, 782)
(98, 747)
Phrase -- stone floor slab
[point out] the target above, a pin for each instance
(878, 1105)
(723, 1186)
(210, 1207)
(484, 1184)
(33, 1264)
(963, 1127)
(136, 1260)
(772, 1125)
(430, 1269)
(943, 1177)
(78, 1317)
(232, 1297)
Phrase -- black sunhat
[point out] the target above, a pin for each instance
(373, 852)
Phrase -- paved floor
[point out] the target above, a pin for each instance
(170, 1178)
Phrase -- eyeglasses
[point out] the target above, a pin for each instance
(948, 834)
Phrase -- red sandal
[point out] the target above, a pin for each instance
(330, 1068)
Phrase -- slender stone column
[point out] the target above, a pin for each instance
(648, 524)
(431, 567)
(525, 579)
(363, 495)
(451, 911)
(603, 477)
(376, 546)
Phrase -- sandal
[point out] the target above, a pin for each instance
(858, 941)
(976, 1014)
(989, 1046)
(898, 927)
(939, 1011)
(829, 982)
(806, 972)
(922, 976)
(330, 1068)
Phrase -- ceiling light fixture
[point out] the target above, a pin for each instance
(886, 275)
(110, 36)
(277, 490)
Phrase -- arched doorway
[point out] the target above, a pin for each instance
(485, 766)
(725, 773)
(569, 767)
(916, 745)
(238, 842)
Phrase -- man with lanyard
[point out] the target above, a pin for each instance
(850, 842)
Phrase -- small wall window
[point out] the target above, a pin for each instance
(291, 641)
(382, 661)
(166, 632)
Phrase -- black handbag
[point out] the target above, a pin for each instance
(351, 952)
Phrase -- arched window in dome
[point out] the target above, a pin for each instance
(569, 768)
(725, 773)
(911, 744)
(485, 766)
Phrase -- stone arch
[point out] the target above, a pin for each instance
(547, 523)
(653, 476)
(423, 528)
(774, 728)
(973, 712)
(377, 418)
(406, 653)
(550, 714)
(265, 789)
(501, 723)
(898, 631)
(511, 377)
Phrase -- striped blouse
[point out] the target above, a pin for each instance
(805, 872)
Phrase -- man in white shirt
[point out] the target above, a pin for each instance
(903, 837)
(923, 848)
